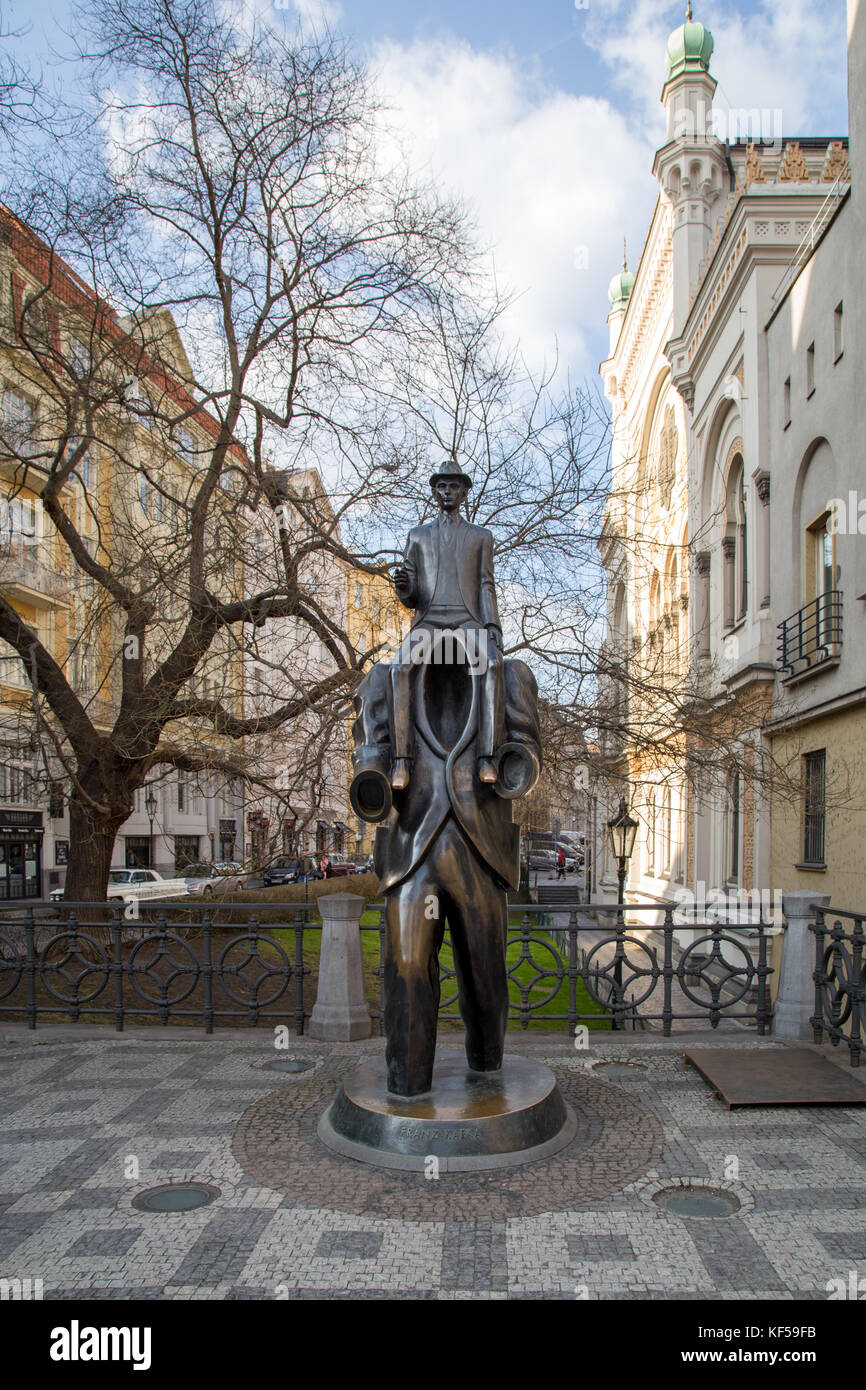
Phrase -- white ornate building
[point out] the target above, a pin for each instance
(731, 380)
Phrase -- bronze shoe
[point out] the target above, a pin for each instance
(400, 774)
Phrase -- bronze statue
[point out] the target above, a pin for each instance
(445, 738)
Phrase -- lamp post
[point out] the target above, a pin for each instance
(621, 832)
(150, 808)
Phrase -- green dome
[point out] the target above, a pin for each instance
(690, 47)
(620, 288)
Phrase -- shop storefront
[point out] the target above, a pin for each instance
(20, 854)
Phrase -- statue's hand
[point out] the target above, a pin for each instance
(402, 582)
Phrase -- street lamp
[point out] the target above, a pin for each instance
(621, 833)
(150, 808)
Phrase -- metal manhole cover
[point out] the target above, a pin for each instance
(293, 1065)
(697, 1201)
(177, 1196)
(625, 1071)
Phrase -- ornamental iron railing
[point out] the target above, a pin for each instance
(840, 979)
(170, 963)
(811, 636)
(631, 975)
(568, 964)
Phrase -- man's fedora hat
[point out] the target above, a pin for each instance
(450, 469)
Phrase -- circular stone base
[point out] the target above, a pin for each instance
(468, 1120)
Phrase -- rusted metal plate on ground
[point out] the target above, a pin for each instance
(776, 1076)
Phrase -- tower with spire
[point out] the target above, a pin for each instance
(618, 293)
(691, 166)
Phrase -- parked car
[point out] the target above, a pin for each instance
(542, 859)
(136, 884)
(206, 879)
(343, 866)
(288, 870)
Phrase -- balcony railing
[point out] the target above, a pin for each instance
(26, 565)
(813, 635)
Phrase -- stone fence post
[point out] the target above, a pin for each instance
(340, 1013)
(795, 1001)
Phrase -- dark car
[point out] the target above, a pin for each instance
(286, 870)
(343, 866)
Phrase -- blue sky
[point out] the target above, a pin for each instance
(545, 117)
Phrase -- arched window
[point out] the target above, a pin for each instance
(735, 544)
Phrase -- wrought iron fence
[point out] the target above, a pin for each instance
(631, 975)
(254, 963)
(171, 963)
(840, 979)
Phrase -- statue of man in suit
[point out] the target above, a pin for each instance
(432, 770)
(447, 577)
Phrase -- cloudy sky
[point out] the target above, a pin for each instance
(545, 116)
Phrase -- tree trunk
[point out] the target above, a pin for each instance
(91, 845)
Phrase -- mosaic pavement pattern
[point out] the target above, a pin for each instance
(89, 1123)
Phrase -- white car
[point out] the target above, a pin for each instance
(134, 885)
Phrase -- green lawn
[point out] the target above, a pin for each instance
(538, 988)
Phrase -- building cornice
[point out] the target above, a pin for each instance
(761, 228)
(837, 704)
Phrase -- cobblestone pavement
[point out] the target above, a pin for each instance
(90, 1120)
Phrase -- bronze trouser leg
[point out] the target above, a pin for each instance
(453, 881)
(412, 941)
(477, 912)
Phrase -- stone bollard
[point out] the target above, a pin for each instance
(340, 1013)
(795, 1001)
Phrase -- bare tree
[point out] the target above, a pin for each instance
(239, 200)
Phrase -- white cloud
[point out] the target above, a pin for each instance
(315, 15)
(311, 16)
(554, 180)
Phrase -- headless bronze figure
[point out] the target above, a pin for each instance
(445, 738)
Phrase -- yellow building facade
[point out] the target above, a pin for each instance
(119, 499)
